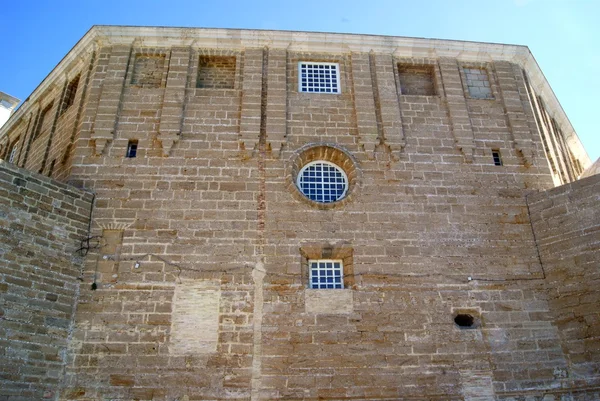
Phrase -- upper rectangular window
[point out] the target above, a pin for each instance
(318, 77)
(416, 80)
(326, 273)
(216, 72)
(42, 120)
(478, 83)
(69, 97)
(148, 71)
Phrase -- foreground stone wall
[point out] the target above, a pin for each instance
(567, 227)
(42, 224)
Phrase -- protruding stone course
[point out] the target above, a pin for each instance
(364, 102)
(251, 99)
(276, 101)
(171, 116)
(110, 98)
(457, 108)
(42, 225)
(518, 122)
(386, 103)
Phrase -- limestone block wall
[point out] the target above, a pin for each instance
(567, 227)
(212, 231)
(42, 225)
(195, 283)
(171, 315)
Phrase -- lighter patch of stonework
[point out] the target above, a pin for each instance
(195, 322)
(477, 385)
(258, 275)
(328, 301)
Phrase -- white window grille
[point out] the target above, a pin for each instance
(326, 273)
(318, 77)
(323, 182)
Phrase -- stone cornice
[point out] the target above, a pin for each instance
(340, 43)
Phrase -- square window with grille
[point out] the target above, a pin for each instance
(318, 77)
(326, 274)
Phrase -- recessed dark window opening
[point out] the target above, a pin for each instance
(497, 158)
(464, 320)
(132, 148)
(42, 117)
(70, 93)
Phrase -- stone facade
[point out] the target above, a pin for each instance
(41, 225)
(196, 281)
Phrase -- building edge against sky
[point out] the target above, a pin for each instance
(235, 214)
(467, 51)
(7, 107)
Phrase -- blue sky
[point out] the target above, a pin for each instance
(563, 35)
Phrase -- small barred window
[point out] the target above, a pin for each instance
(318, 77)
(326, 273)
(322, 181)
(132, 147)
(497, 158)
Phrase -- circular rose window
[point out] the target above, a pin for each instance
(322, 181)
(322, 174)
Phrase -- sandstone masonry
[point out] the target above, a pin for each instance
(465, 274)
(41, 226)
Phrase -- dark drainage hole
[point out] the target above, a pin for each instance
(464, 321)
